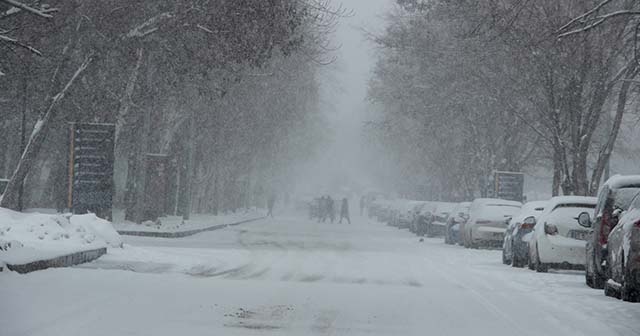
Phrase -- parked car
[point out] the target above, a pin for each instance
(422, 218)
(436, 226)
(558, 241)
(383, 211)
(613, 197)
(515, 248)
(488, 221)
(623, 259)
(416, 211)
(398, 211)
(405, 214)
(458, 215)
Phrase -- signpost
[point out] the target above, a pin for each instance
(91, 158)
(508, 185)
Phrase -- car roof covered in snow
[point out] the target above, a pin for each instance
(445, 207)
(554, 202)
(622, 181)
(530, 209)
(496, 201)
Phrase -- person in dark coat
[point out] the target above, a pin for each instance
(323, 209)
(331, 210)
(344, 210)
(271, 201)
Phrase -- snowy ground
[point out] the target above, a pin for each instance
(294, 277)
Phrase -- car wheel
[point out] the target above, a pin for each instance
(540, 266)
(610, 291)
(588, 279)
(515, 261)
(504, 258)
(597, 280)
(628, 292)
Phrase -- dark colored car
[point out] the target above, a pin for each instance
(437, 223)
(623, 259)
(614, 197)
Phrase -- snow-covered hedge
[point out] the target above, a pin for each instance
(26, 237)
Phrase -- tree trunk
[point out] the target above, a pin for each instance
(605, 153)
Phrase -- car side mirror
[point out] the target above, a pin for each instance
(584, 220)
(530, 220)
(616, 213)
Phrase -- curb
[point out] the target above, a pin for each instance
(182, 234)
(62, 261)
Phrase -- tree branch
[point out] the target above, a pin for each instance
(38, 12)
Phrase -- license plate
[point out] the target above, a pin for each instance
(579, 235)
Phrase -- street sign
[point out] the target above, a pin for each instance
(91, 158)
(508, 185)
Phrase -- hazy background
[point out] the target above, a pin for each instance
(343, 98)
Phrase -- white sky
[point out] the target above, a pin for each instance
(344, 89)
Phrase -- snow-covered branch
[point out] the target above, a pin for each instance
(148, 27)
(43, 12)
(13, 41)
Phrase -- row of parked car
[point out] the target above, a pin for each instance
(600, 235)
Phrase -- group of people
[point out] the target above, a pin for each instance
(325, 209)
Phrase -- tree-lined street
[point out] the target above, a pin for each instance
(291, 276)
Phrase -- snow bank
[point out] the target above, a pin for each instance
(197, 221)
(27, 237)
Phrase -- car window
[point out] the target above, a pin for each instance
(635, 203)
(622, 197)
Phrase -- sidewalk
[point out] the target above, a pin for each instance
(175, 227)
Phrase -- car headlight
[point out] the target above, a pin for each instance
(550, 229)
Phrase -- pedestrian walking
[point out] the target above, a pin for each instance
(331, 209)
(362, 204)
(271, 201)
(344, 211)
(323, 209)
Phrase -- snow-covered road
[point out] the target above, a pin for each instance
(291, 276)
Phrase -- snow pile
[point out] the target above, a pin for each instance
(27, 237)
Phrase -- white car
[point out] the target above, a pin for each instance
(488, 221)
(515, 248)
(557, 240)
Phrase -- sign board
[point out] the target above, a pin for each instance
(91, 158)
(508, 185)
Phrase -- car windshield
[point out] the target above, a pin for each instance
(566, 214)
(318, 167)
(622, 197)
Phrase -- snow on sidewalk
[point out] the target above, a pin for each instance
(29, 237)
(173, 224)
